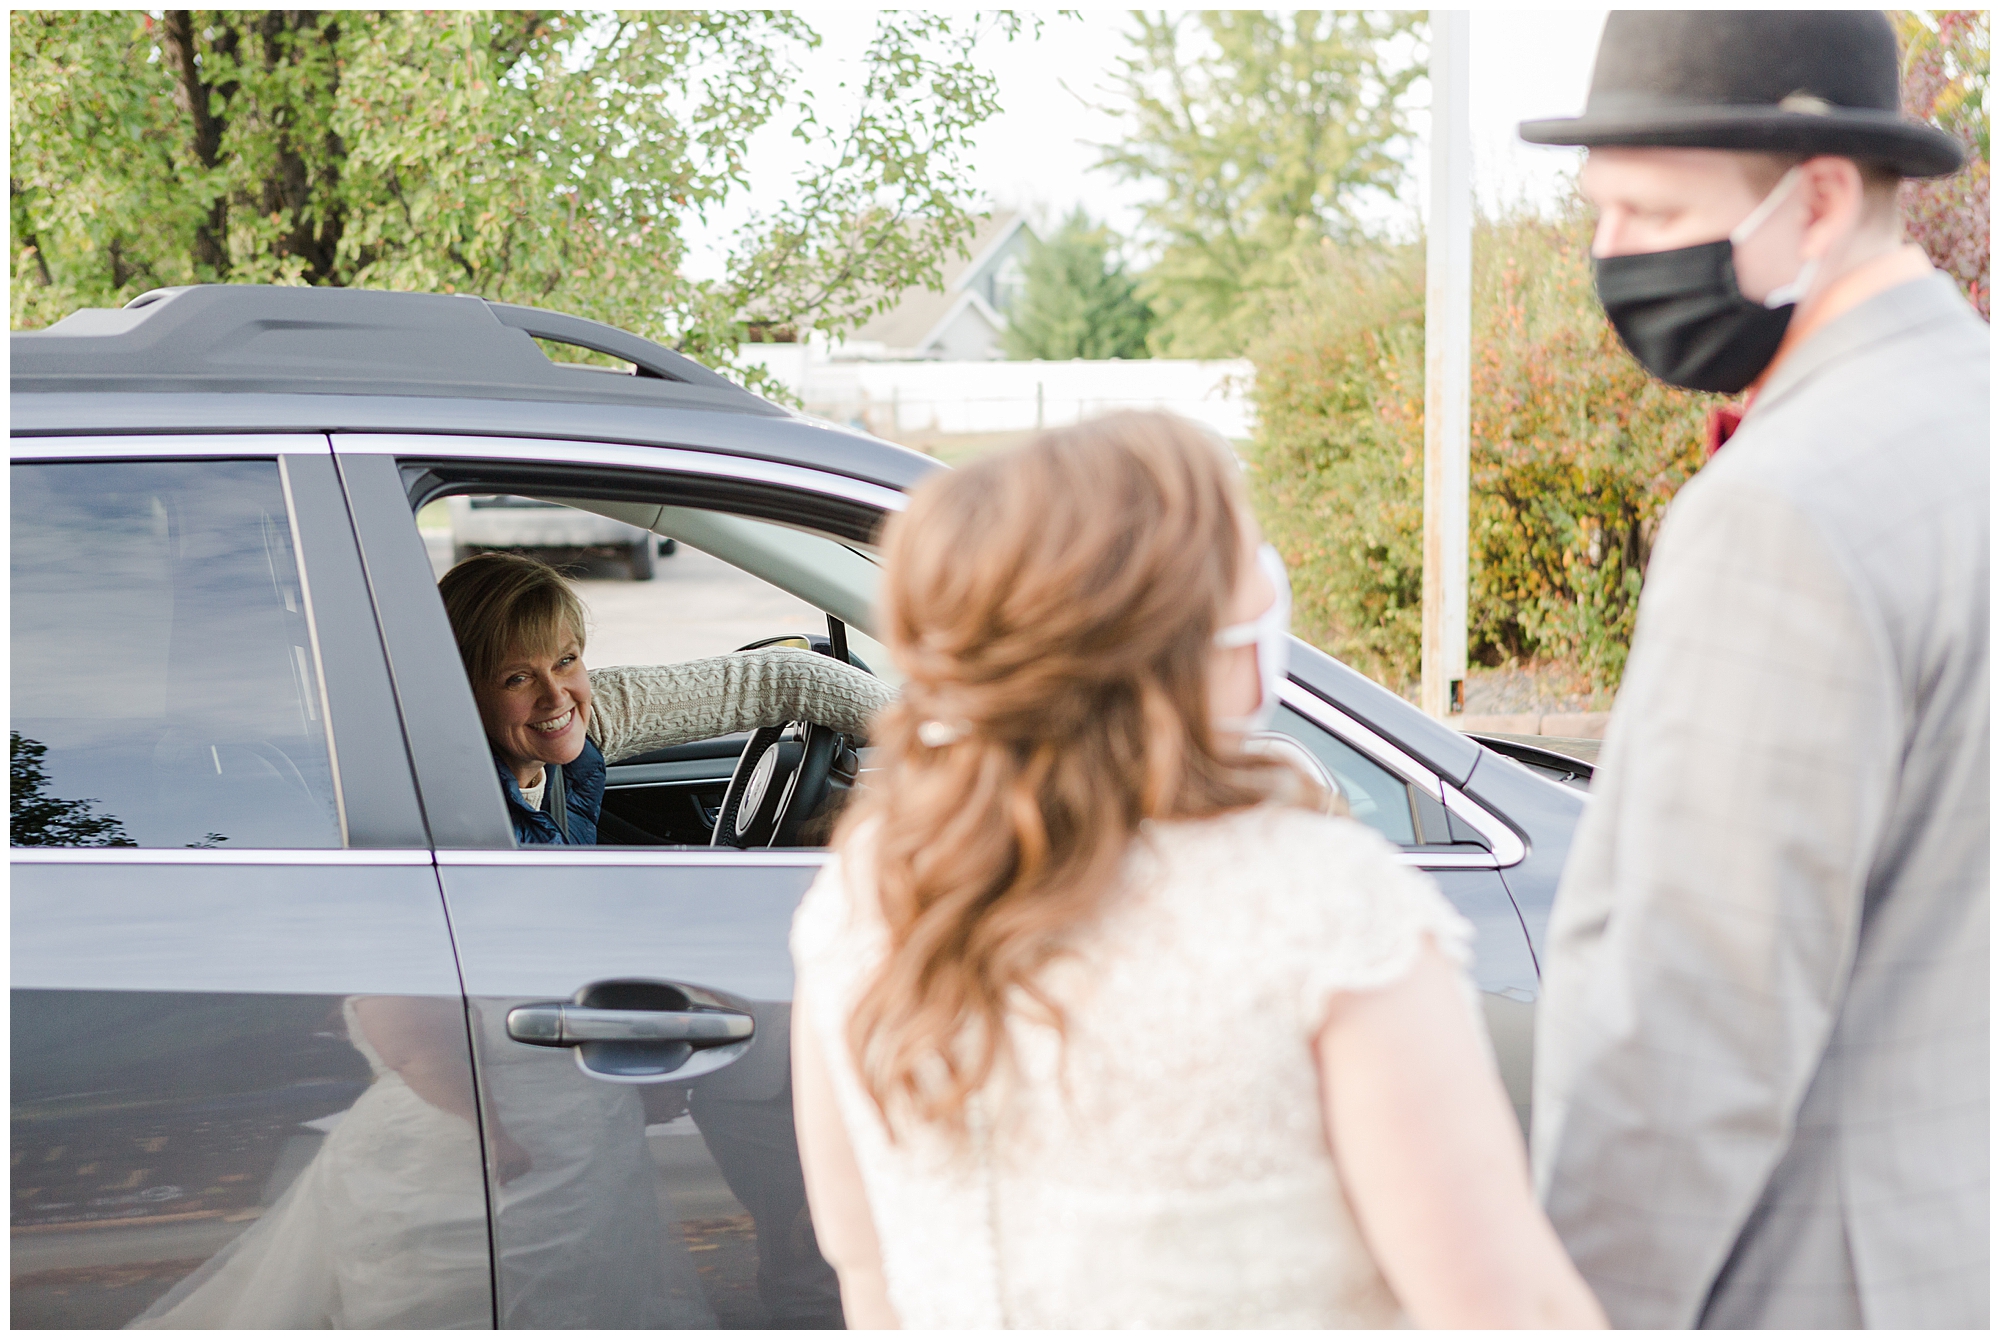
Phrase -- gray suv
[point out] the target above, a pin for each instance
(300, 1037)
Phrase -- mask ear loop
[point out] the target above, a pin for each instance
(1276, 616)
(1785, 295)
(1267, 633)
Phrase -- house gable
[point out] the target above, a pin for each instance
(963, 317)
(997, 269)
(969, 330)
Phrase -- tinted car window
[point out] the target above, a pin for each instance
(164, 690)
(1375, 796)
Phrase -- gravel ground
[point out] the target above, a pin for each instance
(1546, 687)
(694, 606)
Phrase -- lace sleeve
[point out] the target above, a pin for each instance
(821, 915)
(636, 708)
(827, 930)
(1374, 921)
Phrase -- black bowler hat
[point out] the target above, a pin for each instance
(1781, 80)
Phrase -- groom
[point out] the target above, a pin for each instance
(1761, 1067)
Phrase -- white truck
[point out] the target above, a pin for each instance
(483, 521)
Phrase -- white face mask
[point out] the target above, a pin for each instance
(1270, 633)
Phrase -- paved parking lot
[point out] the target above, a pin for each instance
(694, 606)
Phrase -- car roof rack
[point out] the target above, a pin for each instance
(249, 358)
(346, 341)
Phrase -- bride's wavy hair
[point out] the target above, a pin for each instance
(1052, 608)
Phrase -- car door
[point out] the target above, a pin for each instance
(1458, 842)
(241, 1083)
(631, 1186)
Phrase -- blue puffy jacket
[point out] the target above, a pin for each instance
(583, 792)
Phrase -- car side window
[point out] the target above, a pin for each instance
(681, 604)
(1375, 795)
(165, 691)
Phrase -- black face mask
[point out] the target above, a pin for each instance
(1680, 314)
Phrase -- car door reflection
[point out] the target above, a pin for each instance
(744, 1115)
(386, 1224)
(583, 1231)
(651, 1202)
(663, 1205)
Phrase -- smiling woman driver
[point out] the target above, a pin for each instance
(520, 632)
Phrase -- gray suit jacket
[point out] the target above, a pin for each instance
(1761, 1057)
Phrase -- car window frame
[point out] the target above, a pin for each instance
(375, 795)
(1504, 846)
(389, 476)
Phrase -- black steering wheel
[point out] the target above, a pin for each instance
(781, 780)
(786, 774)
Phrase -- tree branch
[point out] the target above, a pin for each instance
(191, 95)
(28, 236)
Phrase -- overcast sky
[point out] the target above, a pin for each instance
(1056, 104)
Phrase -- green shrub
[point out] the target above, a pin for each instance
(1575, 454)
(1336, 467)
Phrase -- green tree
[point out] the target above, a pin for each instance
(1264, 133)
(1078, 302)
(546, 157)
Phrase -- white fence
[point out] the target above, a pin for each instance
(904, 399)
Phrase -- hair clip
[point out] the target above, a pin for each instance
(938, 734)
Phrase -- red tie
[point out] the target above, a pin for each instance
(1723, 421)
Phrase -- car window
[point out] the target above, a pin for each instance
(1375, 796)
(687, 605)
(164, 685)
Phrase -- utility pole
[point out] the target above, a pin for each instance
(1448, 366)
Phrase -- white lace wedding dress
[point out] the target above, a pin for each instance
(1167, 1165)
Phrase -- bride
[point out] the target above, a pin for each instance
(1103, 1022)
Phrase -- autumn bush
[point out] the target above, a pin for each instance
(1946, 60)
(1575, 455)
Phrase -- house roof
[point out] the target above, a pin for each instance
(919, 312)
(905, 325)
(986, 245)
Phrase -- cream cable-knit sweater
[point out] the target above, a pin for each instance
(638, 708)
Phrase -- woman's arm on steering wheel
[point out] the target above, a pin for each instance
(638, 708)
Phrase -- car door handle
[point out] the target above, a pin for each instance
(566, 1025)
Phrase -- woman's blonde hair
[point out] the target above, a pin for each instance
(502, 603)
(1052, 607)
